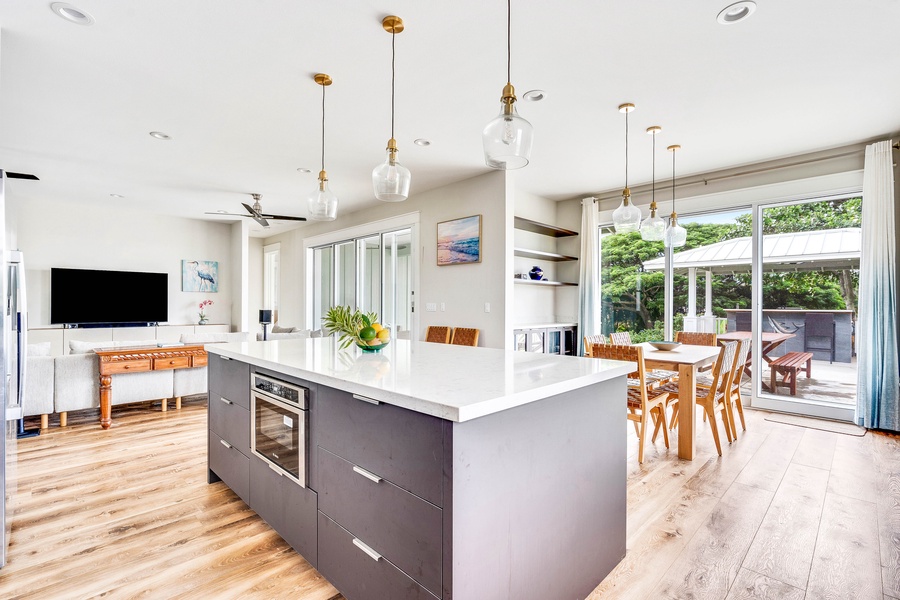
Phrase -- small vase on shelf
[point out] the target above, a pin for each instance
(203, 320)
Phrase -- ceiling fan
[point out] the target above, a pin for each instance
(256, 213)
(28, 176)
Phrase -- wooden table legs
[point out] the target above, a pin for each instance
(105, 401)
(686, 402)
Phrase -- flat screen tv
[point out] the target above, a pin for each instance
(89, 297)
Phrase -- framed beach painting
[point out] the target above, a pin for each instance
(199, 276)
(459, 241)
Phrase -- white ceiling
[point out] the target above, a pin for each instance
(231, 82)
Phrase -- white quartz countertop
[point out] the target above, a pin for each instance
(457, 383)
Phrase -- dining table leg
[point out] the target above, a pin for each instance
(687, 391)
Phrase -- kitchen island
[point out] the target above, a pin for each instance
(434, 471)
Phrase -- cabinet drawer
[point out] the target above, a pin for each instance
(403, 446)
(230, 465)
(230, 422)
(229, 379)
(132, 366)
(402, 527)
(199, 360)
(358, 575)
(288, 508)
(176, 362)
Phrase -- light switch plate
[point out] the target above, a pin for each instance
(487, 307)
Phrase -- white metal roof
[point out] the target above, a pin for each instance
(802, 251)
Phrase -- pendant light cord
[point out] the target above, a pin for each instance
(653, 171)
(673, 181)
(626, 147)
(323, 128)
(393, 76)
(508, 41)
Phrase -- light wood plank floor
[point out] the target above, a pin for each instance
(786, 513)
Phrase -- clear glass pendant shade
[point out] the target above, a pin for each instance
(391, 180)
(653, 229)
(507, 140)
(627, 217)
(322, 203)
(676, 235)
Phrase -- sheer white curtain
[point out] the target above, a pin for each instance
(879, 378)
(589, 276)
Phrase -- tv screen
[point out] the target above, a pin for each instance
(89, 297)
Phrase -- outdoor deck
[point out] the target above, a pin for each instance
(831, 382)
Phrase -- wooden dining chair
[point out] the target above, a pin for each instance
(620, 338)
(644, 402)
(590, 340)
(712, 398)
(438, 334)
(695, 338)
(734, 399)
(464, 336)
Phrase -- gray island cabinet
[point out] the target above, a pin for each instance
(435, 471)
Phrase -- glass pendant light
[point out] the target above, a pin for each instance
(653, 229)
(676, 235)
(322, 203)
(391, 179)
(627, 217)
(507, 139)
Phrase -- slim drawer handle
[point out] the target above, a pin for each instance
(226, 401)
(224, 443)
(362, 546)
(224, 357)
(369, 400)
(368, 475)
(277, 470)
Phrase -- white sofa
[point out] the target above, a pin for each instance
(38, 391)
(188, 382)
(77, 379)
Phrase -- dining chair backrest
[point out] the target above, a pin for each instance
(633, 354)
(740, 361)
(695, 338)
(620, 338)
(590, 340)
(721, 374)
(464, 336)
(438, 334)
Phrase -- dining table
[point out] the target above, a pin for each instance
(686, 359)
(770, 341)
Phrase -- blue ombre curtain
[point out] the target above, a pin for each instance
(589, 274)
(878, 400)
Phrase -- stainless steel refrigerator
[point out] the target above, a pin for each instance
(13, 330)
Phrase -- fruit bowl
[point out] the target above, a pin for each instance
(664, 345)
(365, 347)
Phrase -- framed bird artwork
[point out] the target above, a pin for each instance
(199, 276)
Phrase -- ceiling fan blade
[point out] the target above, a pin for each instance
(250, 209)
(284, 218)
(259, 220)
(28, 176)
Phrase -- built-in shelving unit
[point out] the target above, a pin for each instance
(542, 282)
(538, 254)
(550, 231)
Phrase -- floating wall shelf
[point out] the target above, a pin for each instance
(542, 282)
(542, 228)
(540, 255)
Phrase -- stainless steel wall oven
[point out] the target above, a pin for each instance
(279, 425)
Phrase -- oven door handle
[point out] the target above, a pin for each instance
(276, 469)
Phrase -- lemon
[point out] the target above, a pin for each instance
(384, 335)
(377, 327)
(367, 333)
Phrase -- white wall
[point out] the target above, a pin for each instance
(59, 234)
(255, 283)
(464, 289)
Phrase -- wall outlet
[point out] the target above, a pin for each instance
(430, 307)
(443, 307)
(487, 307)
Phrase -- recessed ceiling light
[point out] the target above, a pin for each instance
(117, 195)
(160, 135)
(736, 12)
(534, 95)
(304, 170)
(422, 142)
(70, 13)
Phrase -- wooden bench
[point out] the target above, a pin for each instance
(789, 365)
